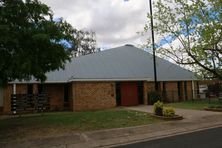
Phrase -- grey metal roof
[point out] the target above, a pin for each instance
(121, 63)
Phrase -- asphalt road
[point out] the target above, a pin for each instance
(211, 138)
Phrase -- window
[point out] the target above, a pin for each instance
(185, 90)
(66, 93)
(40, 88)
(140, 92)
(118, 94)
(179, 90)
(30, 89)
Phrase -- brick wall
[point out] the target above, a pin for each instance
(20, 89)
(7, 99)
(172, 91)
(189, 90)
(93, 95)
(56, 96)
(147, 87)
(55, 92)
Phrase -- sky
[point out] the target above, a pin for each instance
(116, 22)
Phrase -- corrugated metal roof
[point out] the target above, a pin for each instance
(121, 63)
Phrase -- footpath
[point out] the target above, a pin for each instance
(193, 121)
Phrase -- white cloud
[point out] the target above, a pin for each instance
(114, 21)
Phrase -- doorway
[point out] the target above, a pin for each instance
(129, 93)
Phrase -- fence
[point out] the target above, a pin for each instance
(22, 103)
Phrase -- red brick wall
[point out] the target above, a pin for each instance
(20, 89)
(56, 96)
(147, 87)
(172, 91)
(55, 92)
(189, 90)
(7, 99)
(93, 95)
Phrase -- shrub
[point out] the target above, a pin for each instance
(168, 112)
(154, 97)
(158, 108)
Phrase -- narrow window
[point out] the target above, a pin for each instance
(66, 93)
(140, 92)
(30, 89)
(179, 89)
(118, 94)
(40, 88)
(185, 90)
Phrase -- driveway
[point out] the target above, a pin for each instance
(188, 114)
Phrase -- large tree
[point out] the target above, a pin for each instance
(196, 28)
(31, 40)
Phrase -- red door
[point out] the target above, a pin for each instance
(129, 94)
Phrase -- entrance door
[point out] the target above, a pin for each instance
(129, 93)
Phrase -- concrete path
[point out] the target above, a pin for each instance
(193, 121)
(188, 114)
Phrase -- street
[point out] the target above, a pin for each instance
(211, 138)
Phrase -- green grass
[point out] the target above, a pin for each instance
(196, 105)
(65, 123)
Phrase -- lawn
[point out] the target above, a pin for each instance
(65, 123)
(196, 104)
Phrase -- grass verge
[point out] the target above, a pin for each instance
(196, 104)
(65, 123)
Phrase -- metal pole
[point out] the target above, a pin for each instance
(153, 45)
(14, 89)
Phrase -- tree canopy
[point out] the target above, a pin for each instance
(32, 41)
(193, 30)
(85, 43)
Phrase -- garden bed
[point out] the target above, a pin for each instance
(175, 117)
(165, 113)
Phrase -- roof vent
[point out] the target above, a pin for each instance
(129, 45)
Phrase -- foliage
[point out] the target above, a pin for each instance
(154, 96)
(168, 112)
(33, 43)
(158, 108)
(85, 43)
(196, 27)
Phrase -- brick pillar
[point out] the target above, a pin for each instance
(148, 86)
(7, 92)
(35, 88)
